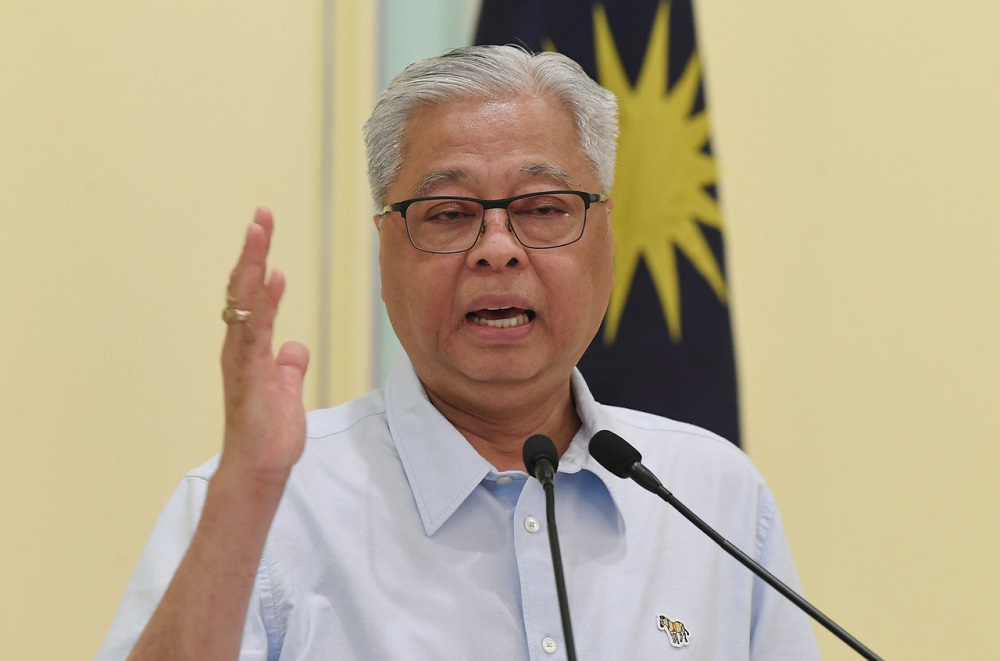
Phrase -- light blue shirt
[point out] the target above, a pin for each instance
(395, 539)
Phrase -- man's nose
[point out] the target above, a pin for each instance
(497, 245)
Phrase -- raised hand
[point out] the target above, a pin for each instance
(202, 613)
(265, 417)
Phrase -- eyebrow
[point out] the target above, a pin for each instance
(435, 180)
(547, 171)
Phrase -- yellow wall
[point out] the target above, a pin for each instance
(860, 150)
(859, 147)
(135, 140)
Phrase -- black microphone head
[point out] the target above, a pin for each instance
(536, 448)
(614, 452)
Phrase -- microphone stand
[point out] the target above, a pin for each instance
(618, 456)
(550, 516)
(541, 459)
(757, 569)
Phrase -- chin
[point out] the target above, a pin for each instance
(507, 375)
(512, 370)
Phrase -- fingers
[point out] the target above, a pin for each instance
(249, 289)
(265, 305)
(265, 417)
(252, 264)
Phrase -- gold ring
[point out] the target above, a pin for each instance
(232, 315)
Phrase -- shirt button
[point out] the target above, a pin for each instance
(549, 646)
(531, 524)
(504, 480)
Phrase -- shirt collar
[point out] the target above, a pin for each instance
(577, 456)
(441, 466)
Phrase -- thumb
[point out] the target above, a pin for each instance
(292, 362)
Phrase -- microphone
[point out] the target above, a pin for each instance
(541, 459)
(619, 457)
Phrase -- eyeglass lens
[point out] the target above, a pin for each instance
(544, 220)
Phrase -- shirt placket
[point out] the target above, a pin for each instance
(539, 601)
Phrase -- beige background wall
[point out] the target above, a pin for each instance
(136, 138)
(858, 143)
(861, 161)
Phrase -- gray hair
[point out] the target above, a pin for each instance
(488, 73)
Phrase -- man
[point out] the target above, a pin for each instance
(403, 525)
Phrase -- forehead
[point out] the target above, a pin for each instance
(475, 146)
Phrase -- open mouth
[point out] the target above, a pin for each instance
(501, 317)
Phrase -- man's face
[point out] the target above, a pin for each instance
(444, 308)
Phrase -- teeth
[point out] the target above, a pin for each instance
(502, 323)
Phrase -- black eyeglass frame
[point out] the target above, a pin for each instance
(502, 203)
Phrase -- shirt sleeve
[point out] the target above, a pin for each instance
(164, 551)
(779, 630)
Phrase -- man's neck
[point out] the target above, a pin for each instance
(498, 427)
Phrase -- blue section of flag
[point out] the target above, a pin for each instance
(692, 378)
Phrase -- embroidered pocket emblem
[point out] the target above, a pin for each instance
(676, 631)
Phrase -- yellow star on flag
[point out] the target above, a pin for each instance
(662, 175)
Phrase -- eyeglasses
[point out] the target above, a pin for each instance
(445, 225)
